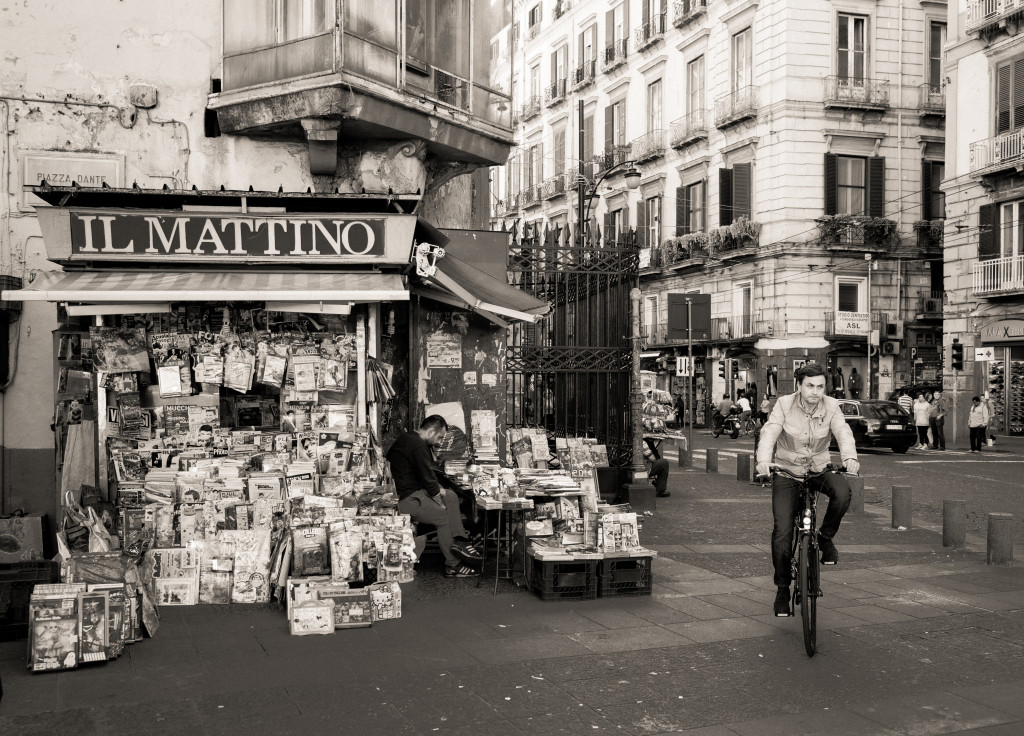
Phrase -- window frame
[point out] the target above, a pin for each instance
(618, 111)
(655, 105)
(648, 311)
(851, 79)
(840, 187)
(935, 60)
(653, 214)
(696, 69)
(741, 76)
(861, 282)
(691, 188)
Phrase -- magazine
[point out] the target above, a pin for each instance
(95, 608)
(119, 350)
(54, 621)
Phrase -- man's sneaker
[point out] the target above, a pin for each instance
(829, 553)
(782, 602)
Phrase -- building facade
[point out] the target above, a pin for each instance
(790, 156)
(984, 189)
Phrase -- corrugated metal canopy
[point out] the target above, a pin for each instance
(482, 292)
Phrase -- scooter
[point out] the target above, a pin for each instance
(730, 424)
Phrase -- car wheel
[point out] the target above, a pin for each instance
(901, 450)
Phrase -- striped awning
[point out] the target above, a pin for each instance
(113, 287)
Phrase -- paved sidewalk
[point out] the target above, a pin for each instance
(913, 639)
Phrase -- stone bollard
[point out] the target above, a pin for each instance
(1000, 539)
(683, 453)
(856, 493)
(901, 507)
(954, 523)
(745, 467)
(711, 462)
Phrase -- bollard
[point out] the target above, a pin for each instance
(901, 502)
(954, 523)
(1000, 539)
(682, 452)
(711, 463)
(856, 493)
(745, 467)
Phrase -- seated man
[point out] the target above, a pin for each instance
(420, 495)
(657, 469)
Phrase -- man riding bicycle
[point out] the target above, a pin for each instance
(801, 425)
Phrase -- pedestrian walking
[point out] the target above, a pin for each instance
(838, 384)
(766, 407)
(905, 402)
(977, 422)
(921, 411)
(855, 383)
(937, 421)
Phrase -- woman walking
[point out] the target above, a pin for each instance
(977, 421)
(921, 411)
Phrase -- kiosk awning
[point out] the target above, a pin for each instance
(119, 287)
(457, 282)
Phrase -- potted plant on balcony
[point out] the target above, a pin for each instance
(858, 230)
(744, 232)
(930, 233)
(683, 247)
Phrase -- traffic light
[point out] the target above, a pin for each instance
(735, 371)
(721, 369)
(958, 355)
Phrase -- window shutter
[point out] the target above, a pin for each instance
(664, 12)
(606, 231)
(704, 207)
(876, 186)
(1003, 99)
(926, 190)
(621, 110)
(641, 223)
(741, 204)
(682, 211)
(646, 12)
(988, 232)
(609, 29)
(554, 68)
(724, 197)
(1018, 94)
(831, 184)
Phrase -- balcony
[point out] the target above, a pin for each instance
(999, 276)
(618, 154)
(530, 108)
(648, 147)
(931, 101)
(615, 55)
(986, 16)
(736, 107)
(930, 235)
(555, 92)
(689, 129)
(504, 206)
(877, 323)
(749, 327)
(852, 93)
(1005, 151)
(584, 74)
(529, 197)
(858, 233)
(561, 8)
(687, 11)
(552, 187)
(928, 307)
(650, 32)
(533, 31)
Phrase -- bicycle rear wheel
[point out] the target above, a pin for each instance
(808, 573)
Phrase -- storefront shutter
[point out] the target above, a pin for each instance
(724, 197)
(682, 211)
(741, 204)
(641, 223)
(831, 184)
(1003, 99)
(988, 232)
(926, 190)
(876, 186)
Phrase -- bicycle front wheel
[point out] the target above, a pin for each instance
(808, 574)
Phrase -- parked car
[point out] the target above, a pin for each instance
(879, 424)
(914, 389)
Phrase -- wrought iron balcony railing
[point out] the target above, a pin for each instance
(533, 31)
(983, 15)
(999, 276)
(615, 54)
(552, 187)
(687, 11)
(649, 146)
(1001, 152)
(688, 129)
(530, 108)
(618, 154)
(649, 32)
(857, 93)
(555, 92)
(739, 105)
(529, 197)
(930, 234)
(858, 232)
(584, 74)
(929, 305)
(733, 327)
(932, 99)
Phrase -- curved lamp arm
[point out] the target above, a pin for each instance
(632, 182)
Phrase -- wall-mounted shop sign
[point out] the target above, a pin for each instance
(1003, 331)
(171, 236)
(852, 323)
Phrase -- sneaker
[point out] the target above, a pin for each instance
(782, 602)
(461, 571)
(663, 494)
(829, 553)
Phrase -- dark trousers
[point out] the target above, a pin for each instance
(659, 474)
(978, 438)
(922, 434)
(786, 501)
(422, 508)
(938, 433)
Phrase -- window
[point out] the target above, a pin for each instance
(695, 85)
(648, 221)
(1009, 231)
(587, 154)
(614, 225)
(588, 40)
(743, 314)
(559, 61)
(654, 106)
(614, 129)
(854, 185)
(734, 193)
(535, 80)
(933, 199)
(936, 40)
(1010, 96)
(691, 203)
(742, 60)
(535, 15)
(650, 314)
(851, 293)
(559, 151)
(999, 231)
(370, 45)
(615, 25)
(852, 49)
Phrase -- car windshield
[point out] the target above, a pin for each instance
(884, 411)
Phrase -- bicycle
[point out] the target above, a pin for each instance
(807, 587)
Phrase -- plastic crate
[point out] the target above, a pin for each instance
(17, 579)
(563, 580)
(625, 576)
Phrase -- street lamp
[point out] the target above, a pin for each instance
(588, 193)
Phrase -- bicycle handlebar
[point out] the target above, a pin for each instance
(830, 468)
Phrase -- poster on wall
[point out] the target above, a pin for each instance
(444, 350)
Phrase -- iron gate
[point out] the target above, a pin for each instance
(570, 372)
